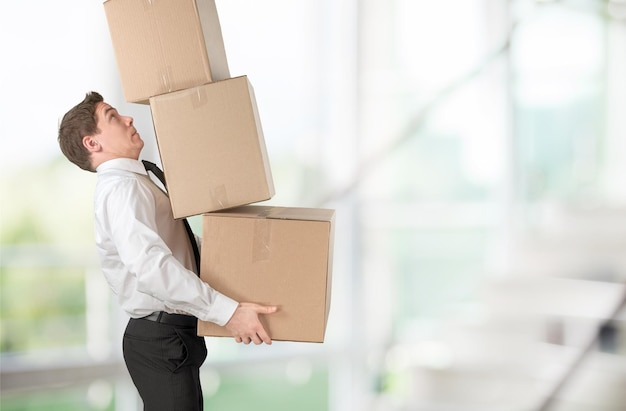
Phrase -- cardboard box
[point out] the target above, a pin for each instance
(276, 256)
(166, 45)
(212, 147)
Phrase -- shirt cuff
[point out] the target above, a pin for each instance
(221, 310)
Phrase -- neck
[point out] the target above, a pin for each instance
(97, 160)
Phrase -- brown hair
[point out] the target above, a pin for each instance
(77, 123)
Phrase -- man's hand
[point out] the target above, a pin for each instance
(245, 326)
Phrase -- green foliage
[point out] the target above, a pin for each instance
(270, 392)
(74, 399)
(25, 229)
(41, 308)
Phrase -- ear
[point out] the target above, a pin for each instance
(92, 144)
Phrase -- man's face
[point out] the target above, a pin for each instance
(118, 137)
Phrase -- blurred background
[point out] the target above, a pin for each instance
(475, 152)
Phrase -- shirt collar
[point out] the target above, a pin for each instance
(127, 164)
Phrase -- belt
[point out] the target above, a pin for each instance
(172, 319)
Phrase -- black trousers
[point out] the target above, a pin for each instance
(164, 363)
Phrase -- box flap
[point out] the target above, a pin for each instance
(279, 213)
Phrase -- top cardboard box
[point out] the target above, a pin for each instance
(166, 45)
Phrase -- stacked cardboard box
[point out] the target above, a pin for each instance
(212, 147)
(170, 54)
(272, 255)
(164, 46)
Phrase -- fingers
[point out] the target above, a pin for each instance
(260, 309)
(260, 337)
(245, 325)
(268, 309)
(264, 337)
(245, 340)
(256, 339)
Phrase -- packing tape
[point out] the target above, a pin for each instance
(155, 12)
(261, 240)
(199, 98)
(166, 78)
(264, 212)
(220, 196)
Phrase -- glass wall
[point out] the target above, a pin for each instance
(474, 151)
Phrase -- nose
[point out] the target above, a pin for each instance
(129, 120)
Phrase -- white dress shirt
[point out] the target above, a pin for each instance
(144, 252)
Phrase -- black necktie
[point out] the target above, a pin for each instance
(158, 173)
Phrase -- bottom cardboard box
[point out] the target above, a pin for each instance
(272, 255)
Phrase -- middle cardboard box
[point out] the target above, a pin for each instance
(212, 148)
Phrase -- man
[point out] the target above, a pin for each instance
(147, 259)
